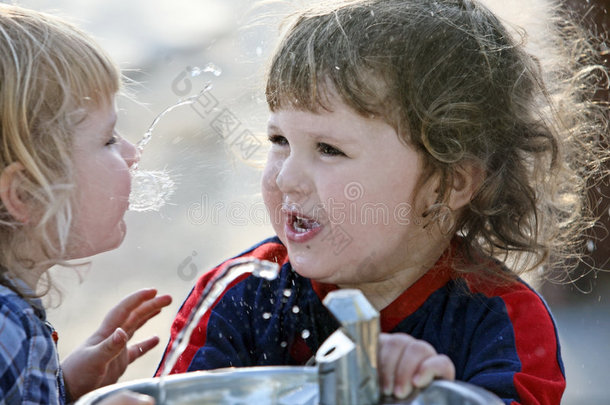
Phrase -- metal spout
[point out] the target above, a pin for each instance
(350, 384)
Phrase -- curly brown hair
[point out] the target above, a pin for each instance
(460, 86)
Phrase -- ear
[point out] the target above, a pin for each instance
(10, 180)
(467, 178)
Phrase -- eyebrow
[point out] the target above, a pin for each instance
(322, 137)
(272, 127)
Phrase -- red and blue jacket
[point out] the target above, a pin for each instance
(499, 336)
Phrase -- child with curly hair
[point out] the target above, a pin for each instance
(421, 154)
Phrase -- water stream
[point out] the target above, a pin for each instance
(151, 189)
(213, 290)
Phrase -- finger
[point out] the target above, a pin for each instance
(439, 366)
(139, 349)
(415, 353)
(109, 348)
(144, 312)
(121, 312)
(388, 361)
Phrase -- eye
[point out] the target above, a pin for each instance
(329, 150)
(278, 140)
(113, 139)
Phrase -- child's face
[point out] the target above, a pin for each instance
(340, 189)
(101, 161)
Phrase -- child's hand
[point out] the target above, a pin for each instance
(405, 362)
(104, 356)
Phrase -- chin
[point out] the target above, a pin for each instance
(305, 267)
(99, 245)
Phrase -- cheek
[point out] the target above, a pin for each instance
(269, 179)
(271, 193)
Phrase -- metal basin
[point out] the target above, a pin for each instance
(273, 386)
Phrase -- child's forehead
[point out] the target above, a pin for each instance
(339, 123)
(84, 108)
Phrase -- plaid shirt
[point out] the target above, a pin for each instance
(29, 364)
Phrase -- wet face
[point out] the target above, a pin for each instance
(340, 189)
(101, 161)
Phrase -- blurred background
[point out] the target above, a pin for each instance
(213, 151)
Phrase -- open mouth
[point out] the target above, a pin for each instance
(300, 228)
(302, 224)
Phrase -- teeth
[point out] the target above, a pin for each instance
(302, 225)
(299, 224)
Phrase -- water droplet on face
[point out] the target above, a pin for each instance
(287, 292)
(295, 309)
(267, 315)
(305, 334)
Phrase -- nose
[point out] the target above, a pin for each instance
(130, 152)
(292, 176)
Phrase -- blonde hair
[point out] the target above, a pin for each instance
(460, 87)
(50, 74)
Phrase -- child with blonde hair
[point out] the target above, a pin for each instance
(64, 188)
(421, 154)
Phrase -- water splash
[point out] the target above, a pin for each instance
(209, 68)
(151, 189)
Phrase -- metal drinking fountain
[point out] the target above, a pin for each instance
(345, 374)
